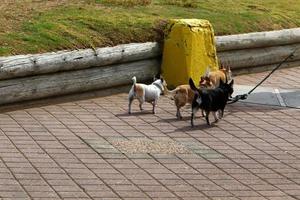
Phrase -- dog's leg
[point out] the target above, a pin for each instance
(207, 117)
(141, 106)
(154, 105)
(203, 113)
(192, 119)
(178, 114)
(216, 116)
(222, 113)
(153, 109)
(141, 100)
(130, 99)
(194, 110)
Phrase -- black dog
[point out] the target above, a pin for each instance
(210, 99)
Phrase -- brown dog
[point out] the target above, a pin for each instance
(212, 79)
(182, 95)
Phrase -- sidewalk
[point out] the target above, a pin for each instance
(92, 149)
(281, 89)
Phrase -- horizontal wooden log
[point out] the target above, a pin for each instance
(258, 57)
(35, 87)
(28, 65)
(258, 39)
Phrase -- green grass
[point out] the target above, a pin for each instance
(36, 26)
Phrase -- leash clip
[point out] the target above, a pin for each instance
(243, 97)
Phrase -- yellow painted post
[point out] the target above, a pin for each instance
(189, 48)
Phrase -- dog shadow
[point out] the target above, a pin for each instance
(126, 114)
(201, 126)
(175, 119)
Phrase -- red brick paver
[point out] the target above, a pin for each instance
(66, 151)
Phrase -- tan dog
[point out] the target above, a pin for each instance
(212, 79)
(182, 95)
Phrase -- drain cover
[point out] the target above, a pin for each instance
(270, 96)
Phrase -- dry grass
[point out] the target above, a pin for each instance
(13, 13)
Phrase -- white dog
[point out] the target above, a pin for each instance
(149, 93)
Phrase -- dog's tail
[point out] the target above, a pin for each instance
(134, 80)
(170, 93)
(134, 83)
(192, 84)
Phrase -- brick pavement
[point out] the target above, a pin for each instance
(66, 150)
(282, 78)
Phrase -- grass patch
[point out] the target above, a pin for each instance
(125, 3)
(42, 26)
(182, 3)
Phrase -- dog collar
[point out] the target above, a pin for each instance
(159, 86)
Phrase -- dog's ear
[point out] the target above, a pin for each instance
(231, 83)
(156, 76)
(221, 66)
(221, 82)
(162, 79)
(207, 71)
(202, 79)
(192, 84)
(227, 68)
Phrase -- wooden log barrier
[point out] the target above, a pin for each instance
(258, 39)
(35, 87)
(247, 58)
(28, 65)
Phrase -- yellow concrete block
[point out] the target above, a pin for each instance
(189, 48)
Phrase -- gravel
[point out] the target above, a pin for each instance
(150, 146)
